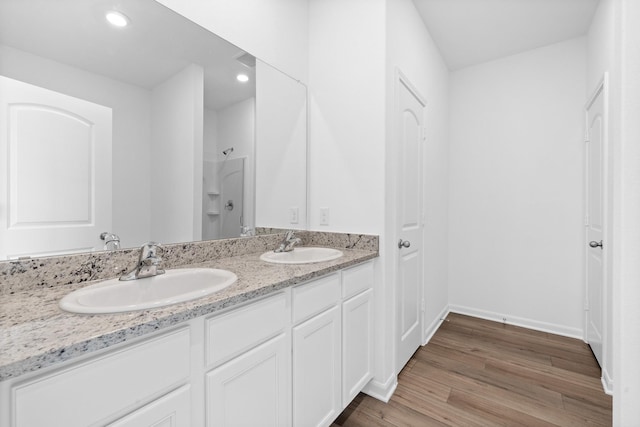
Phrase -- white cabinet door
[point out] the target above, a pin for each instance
(253, 389)
(172, 410)
(316, 370)
(357, 344)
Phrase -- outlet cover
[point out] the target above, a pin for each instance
(293, 215)
(324, 216)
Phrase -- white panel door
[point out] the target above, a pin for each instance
(55, 171)
(595, 179)
(409, 223)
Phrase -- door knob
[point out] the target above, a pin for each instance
(595, 244)
(403, 244)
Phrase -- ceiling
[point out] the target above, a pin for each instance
(470, 32)
(156, 45)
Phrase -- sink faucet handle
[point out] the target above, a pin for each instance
(149, 253)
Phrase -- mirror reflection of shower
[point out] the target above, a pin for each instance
(224, 199)
(229, 148)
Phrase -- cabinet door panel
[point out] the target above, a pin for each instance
(316, 370)
(357, 344)
(172, 410)
(252, 389)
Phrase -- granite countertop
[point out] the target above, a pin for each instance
(36, 333)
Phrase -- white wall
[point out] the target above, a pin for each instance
(272, 30)
(626, 294)
(176, 157)
(347, 137)
(131, 132)
(210, 136)
(410, 49)
(210, 203)
(613, 46)
(516, 190)
(281, 150)
(347, 114)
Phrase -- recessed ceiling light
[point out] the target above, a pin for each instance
(117, 19)
(242, 78)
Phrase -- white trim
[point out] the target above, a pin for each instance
(607, 382)
(519, 321)
(381, 391)
(435, 325)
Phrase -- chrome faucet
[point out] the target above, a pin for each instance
(148, 263)
(289, 241)
(111, 241)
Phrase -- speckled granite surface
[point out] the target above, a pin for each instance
(35, 333)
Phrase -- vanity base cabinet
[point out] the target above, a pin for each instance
(316, 370)
(252, 389)
(295, 357)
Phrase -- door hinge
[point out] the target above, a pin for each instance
(586, 136)
(422, 306)
(424, 133)
(586, 220)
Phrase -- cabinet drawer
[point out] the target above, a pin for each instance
(357, 279)
(94, 391)
(172, 410)
(314, 297)
(233, 333)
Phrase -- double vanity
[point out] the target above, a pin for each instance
(283, 341)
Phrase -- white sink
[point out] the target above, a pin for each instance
(302, 255)
(174, 286)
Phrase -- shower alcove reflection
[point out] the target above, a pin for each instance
(224, 199)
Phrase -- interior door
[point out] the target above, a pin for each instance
(595, 186)
(43, 211)
(409, 222)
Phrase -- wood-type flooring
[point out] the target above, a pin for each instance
(475, 372)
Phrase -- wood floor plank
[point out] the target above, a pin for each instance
(476, 372)
(493, 412)
(537, 342)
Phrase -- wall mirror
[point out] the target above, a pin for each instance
(111, 136)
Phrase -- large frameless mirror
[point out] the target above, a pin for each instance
(158, 130)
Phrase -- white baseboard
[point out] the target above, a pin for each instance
(519, 321)
(381, 391)
(435, 324)
(607, 382)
